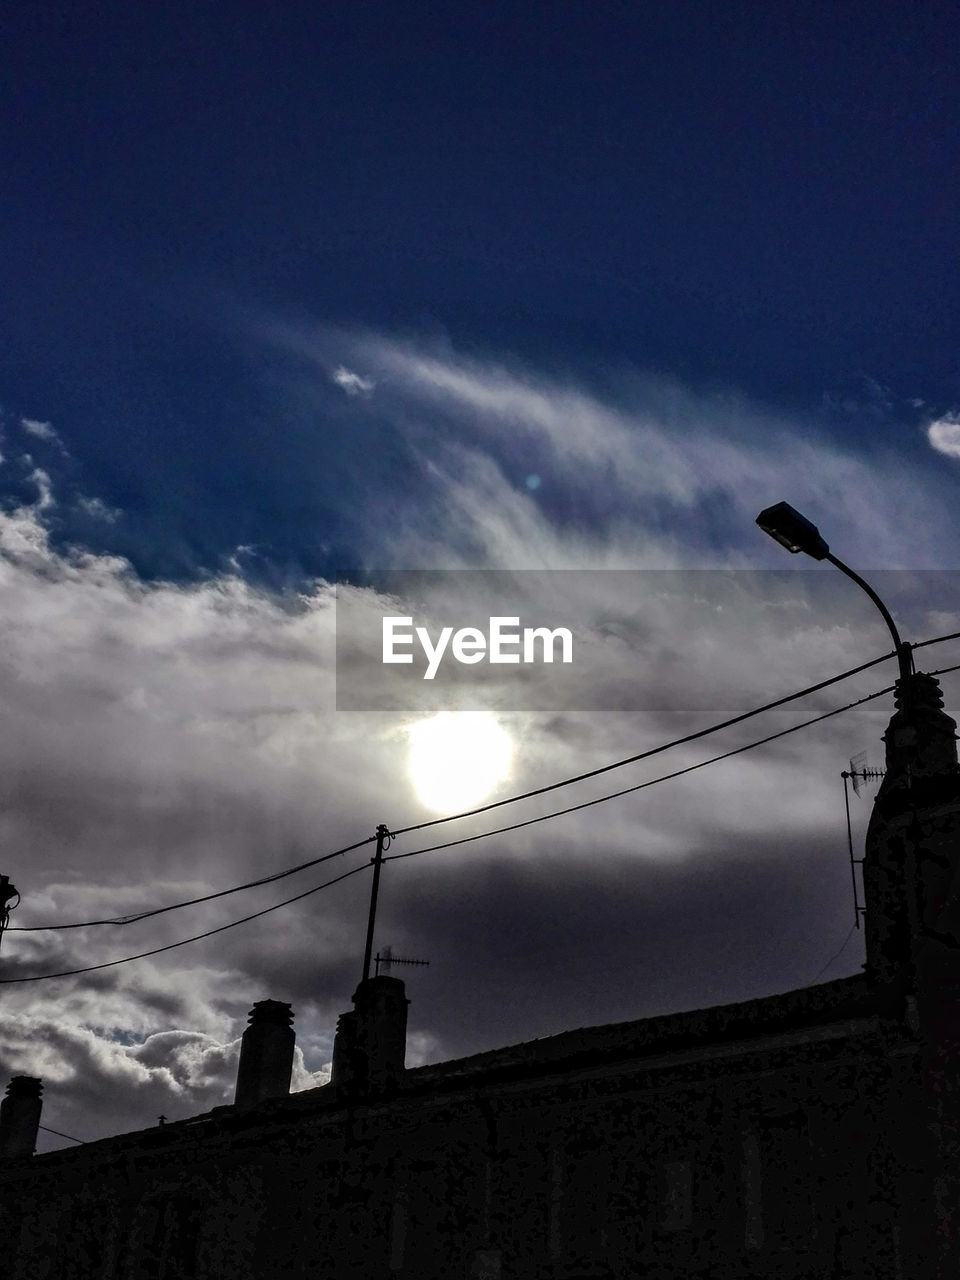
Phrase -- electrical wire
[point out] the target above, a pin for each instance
(171, 946)
(665, 777)
(922, 644)
(645, 755)
(61, 1135)
(836, 955)
(496, 804)
(133, 918)
(68, 973)
(944, 671)
(191, 902)
(651, 782)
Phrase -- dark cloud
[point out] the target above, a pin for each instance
(617, 936)
(168, 740)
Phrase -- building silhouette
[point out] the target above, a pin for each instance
(809, 1134)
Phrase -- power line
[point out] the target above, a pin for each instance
(190, 902)
(617, 764)
(665, 777)
(61, 1135)
(944, 671)
(171, 946)
(690, 737)
(922, 644)
(67, 973)
(652, 751)
(640, 786)
(496, 804)
(836, 955)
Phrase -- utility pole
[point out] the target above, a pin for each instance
(7, 891)
(383, 842)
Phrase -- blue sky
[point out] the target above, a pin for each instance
(288, 290)
(741, 197)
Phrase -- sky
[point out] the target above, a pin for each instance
(294, 296)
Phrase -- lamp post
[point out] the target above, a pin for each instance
(795, 532)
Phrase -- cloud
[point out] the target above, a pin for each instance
(97, 509)
(176, 1073)
(42, 431)
(944, 436)
(116, 799)
(352, 383)
(167, 740)
(634, 470)
(41, 479)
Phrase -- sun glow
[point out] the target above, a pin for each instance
(457, 758)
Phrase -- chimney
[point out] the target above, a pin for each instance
(921, 738)
(371, 1040)
(266, 1054)
(20, 1117)
(345, 1068)
(912, 851)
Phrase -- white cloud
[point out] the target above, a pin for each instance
(352, 383)
(98, 509)
(176, 1073)
(41, 479)
(660, 456)
(42, 431)
(944, 436)
(167, 740)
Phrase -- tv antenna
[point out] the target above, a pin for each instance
(387, 958)
(858, 773)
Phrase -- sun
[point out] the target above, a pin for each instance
(457, 758)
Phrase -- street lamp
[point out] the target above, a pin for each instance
(795, 532)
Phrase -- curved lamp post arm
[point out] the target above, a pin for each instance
(795, 532)
(904, 655)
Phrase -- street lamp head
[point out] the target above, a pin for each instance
(792, 530)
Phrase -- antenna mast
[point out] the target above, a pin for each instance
(857, 773)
